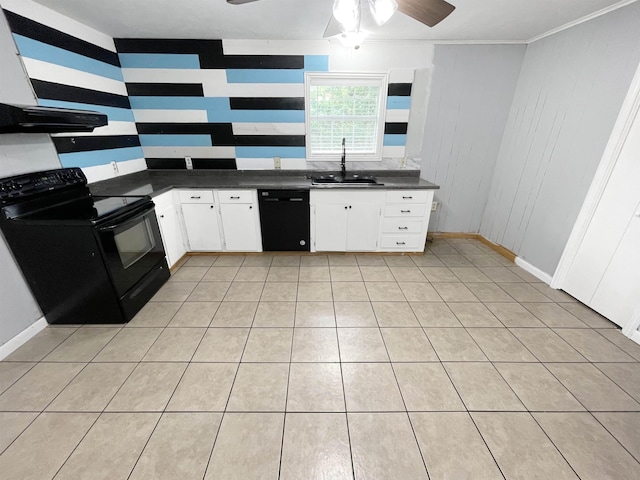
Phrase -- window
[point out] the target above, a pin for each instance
(349, 106)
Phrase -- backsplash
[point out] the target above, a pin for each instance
(72, 66)
(226, 111)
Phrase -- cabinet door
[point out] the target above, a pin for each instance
(363, 225)
(171, 234)
(240, 228)
(201, 223)
(331, 227)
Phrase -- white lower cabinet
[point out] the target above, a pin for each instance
(240, 220)
(346, 221)
(369, 221)
(170, 230)
(201, 226)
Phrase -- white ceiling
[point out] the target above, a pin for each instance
(473, 20)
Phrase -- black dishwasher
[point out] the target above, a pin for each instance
(284, 216)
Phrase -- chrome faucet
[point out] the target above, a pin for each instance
(343, 161)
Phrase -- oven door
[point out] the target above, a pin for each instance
(132, 247)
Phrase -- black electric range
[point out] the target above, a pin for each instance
(86, 259)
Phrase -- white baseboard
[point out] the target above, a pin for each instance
(22, 338)
(536, 272)
(635, 336)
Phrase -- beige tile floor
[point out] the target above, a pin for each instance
(451, 365)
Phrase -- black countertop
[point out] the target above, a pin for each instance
(155, 182)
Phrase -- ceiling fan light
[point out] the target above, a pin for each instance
(347, 12)
(382, 10)
(352, 39)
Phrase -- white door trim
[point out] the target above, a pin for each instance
(628, 112)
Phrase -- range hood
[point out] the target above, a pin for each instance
(33, 119)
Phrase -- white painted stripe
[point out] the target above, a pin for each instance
(170, 116)
(393, 152)
(268, 128)
(276, 47)
(401, 75)
(98, 173)
(50, 72)
(535, 271)
(195, 152)
(294, 163)
(254, 163)
(173, 75)
(219, 89)
(131, 166)
(23, 337)
(114, 128)
(267, 163)
(51, 18)
(396, 116)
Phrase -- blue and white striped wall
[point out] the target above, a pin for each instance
(230, 109)
(73, 66)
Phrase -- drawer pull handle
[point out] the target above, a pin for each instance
(407, 198)
(400, 243)
(196, 198)
(234, 198)
(403, 228)
(346, 207)
(211, 206)
(405, 211)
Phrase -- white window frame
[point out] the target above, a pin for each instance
(355, 79)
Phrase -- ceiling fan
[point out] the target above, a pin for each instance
(350, 15)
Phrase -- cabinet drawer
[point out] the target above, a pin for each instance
(196, 196)
(399, 225)
(235, 196)
(411, 242)
(411, 210)
(407, 196)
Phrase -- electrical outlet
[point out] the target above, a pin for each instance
(114, 165)
(434, 206)
(188, 163)
(403, 162)
(276, 163)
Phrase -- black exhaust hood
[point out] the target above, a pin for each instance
(33, 119)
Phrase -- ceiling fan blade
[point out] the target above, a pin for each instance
(240, 2)
(333, 28)
(429, 12)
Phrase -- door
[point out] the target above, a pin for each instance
(240, 227)
(201, 224)
(604, 272)
(618, 294)
(363, 225)
(331, 227)
(171, 234)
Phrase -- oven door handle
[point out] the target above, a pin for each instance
(132, 218)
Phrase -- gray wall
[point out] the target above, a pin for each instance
(471, 93)
(570, 91)
(18, 154)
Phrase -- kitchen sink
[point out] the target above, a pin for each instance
(351, 180)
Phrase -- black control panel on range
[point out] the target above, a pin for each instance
(20, 187)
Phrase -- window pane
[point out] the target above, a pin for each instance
(344, 111)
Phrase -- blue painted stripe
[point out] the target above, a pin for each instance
(180, 103)
(159, 60)
(30, 48)
(395, 140)
(100, 157)
(398, 103)
(316, 63)
(265, 76)
(256, 116)
(115, 114)
(175, 140)
(268, 152)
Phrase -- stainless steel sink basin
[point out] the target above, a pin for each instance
(351, 180)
